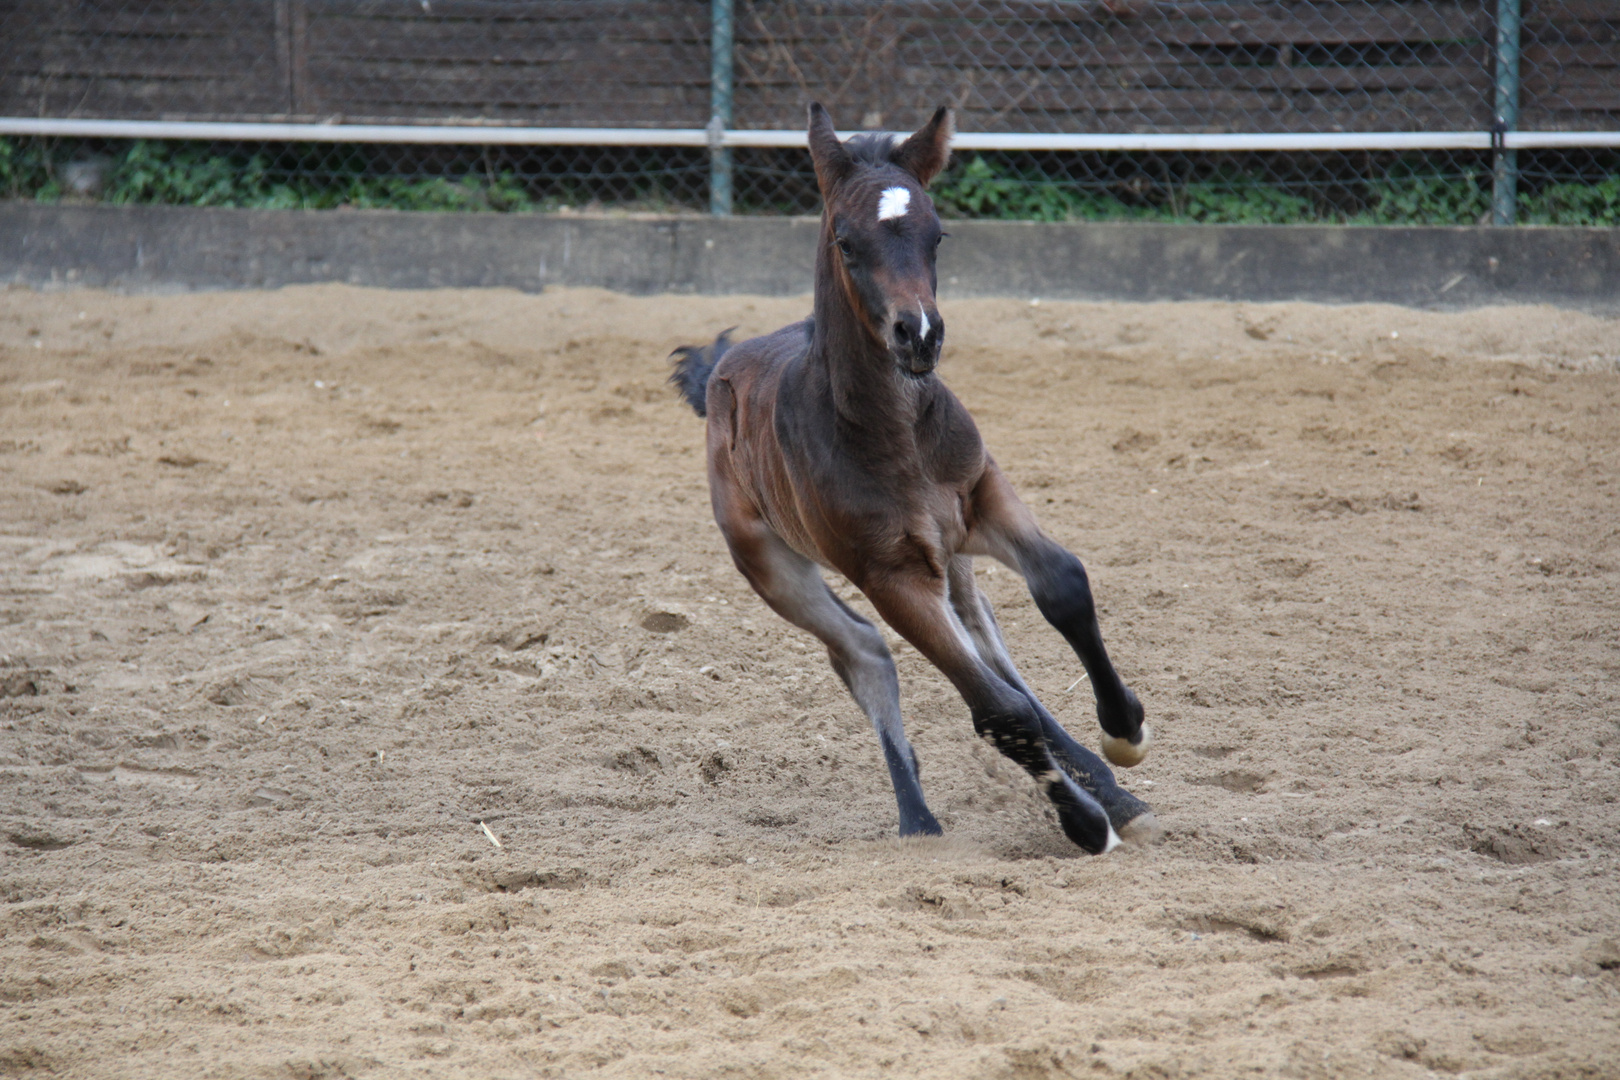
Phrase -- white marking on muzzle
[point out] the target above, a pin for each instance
(924, 335)
(893, 203)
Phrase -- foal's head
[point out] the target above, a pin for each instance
(879, 233)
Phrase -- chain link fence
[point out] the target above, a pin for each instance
(639, 68)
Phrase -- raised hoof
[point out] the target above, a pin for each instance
(1123, 752)
(1142, 830)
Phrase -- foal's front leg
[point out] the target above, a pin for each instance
(792, 585)
(1004, 529)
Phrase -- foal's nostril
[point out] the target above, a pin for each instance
(902, 332)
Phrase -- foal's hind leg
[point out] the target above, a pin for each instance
(792, 585)
(1130, 816)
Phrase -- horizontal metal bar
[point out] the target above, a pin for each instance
(1248, 141)
(1542, 140)
(1369, 140)
(460, 134)
(972, 140)
(477, 135)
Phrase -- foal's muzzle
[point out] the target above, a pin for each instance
(916, 336)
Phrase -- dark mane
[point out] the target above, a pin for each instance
(872, 147)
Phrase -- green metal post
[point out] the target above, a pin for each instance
(720, 81)
(1504, 188)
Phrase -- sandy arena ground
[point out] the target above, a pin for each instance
(298, 588)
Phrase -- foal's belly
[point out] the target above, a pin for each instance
(927, 524)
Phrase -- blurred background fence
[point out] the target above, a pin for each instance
(1449, 111)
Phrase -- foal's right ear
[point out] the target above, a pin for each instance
(832, 161)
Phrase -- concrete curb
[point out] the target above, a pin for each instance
(155, 248)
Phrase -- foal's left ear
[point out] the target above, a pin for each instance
(926, 152)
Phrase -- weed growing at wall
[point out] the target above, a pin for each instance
(983, 187)
(25, 171)
(1409, 191)
(1206, 189)
(1574, 204)
(188, 175)
(328, 176)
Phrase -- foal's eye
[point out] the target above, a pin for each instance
(844, 248)
(941, 239)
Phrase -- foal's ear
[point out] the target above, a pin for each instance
(832, 161)
(926, 152)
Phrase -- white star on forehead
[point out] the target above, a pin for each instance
(893, 204)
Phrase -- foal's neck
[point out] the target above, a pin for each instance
(873, 400)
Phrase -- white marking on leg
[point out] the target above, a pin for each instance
(988, 639)
(962, 635)
(924, 335)
(1113, 841)
(893, 203)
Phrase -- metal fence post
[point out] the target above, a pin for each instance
(720, 83)
(1505, 181)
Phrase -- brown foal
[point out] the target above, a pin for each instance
(833, 443)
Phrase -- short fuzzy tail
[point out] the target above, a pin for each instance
(692, 368)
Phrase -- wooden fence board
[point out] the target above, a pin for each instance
(1102, 53)
(1032, 41)
(417, 37)
(1596, 11)
(1009, 64)
(538, 51)
(510, 11)
(1596, 99)
(1154, 77)
(125, 60)
(174, 18)
(1571, 57)
(610, 61)
(1246, 24)
(537, 90)
(1113, 63)
(1041, 109)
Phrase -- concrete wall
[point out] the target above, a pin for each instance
(171, 248)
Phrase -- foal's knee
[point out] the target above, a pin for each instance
(862, 650)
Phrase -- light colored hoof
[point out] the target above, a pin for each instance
(1142, 830)
(1123, 753)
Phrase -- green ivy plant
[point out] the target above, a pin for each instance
(1573, 204)
(1426, 200)
(149, 172)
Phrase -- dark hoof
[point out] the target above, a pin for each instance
(1083, 820)
(925, 825)
(1090, 836)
